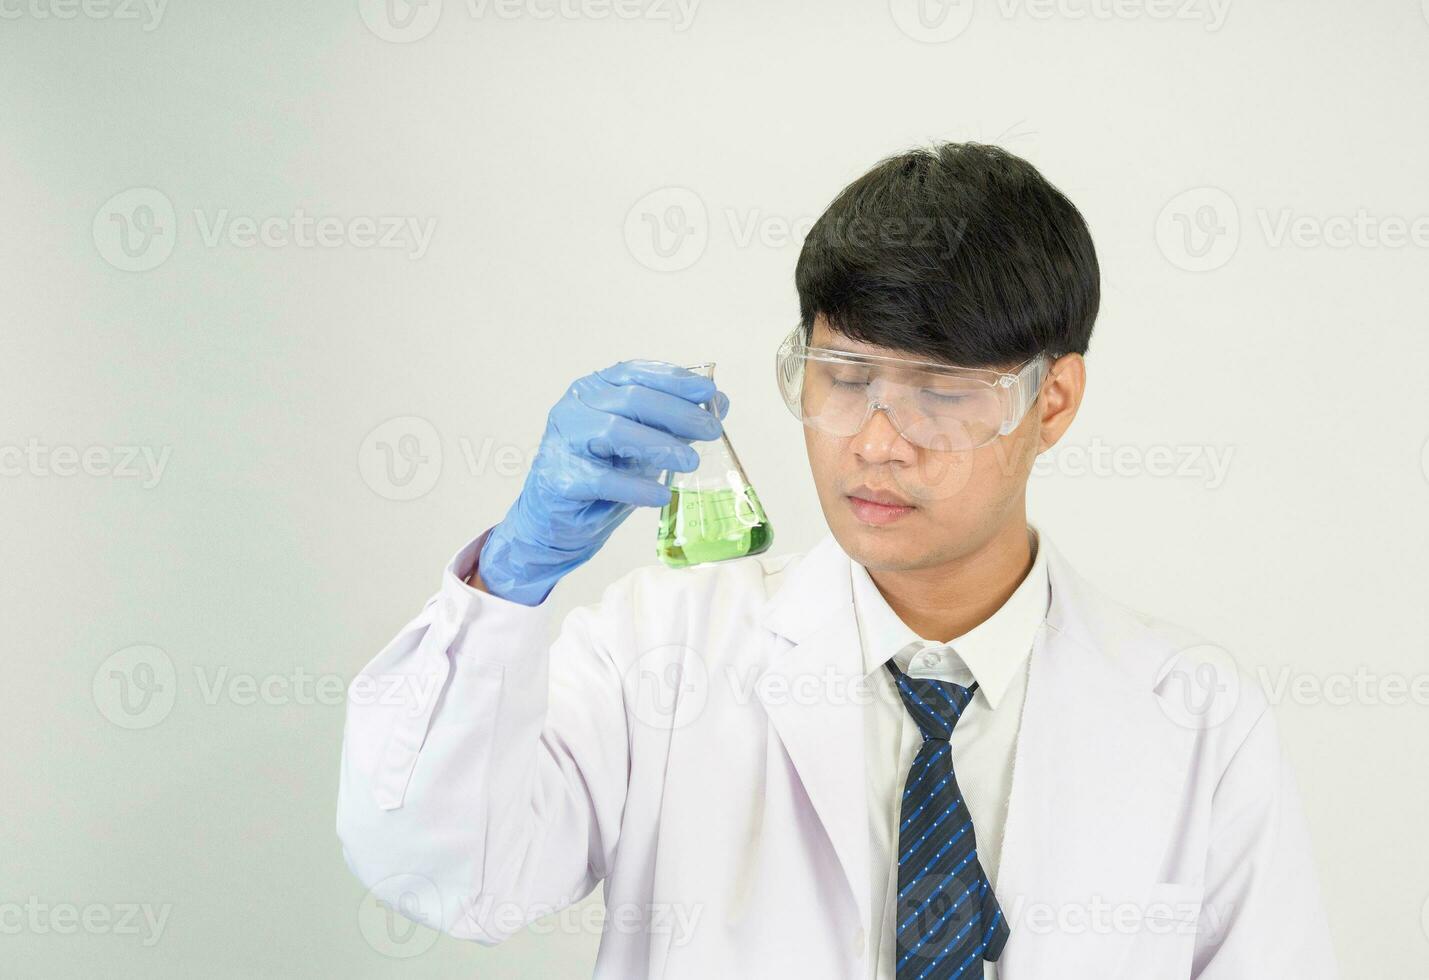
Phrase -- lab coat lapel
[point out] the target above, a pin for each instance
(1099, 770)
(809, 697)
(1098, 777)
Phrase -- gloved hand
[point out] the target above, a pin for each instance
(606, 442)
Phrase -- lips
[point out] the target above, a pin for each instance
(877, 507)
(888, 499)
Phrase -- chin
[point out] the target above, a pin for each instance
(879, 548)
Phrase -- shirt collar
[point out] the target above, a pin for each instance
(992, 651)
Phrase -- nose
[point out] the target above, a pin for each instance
(879, 440)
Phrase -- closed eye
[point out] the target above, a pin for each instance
(943, 397)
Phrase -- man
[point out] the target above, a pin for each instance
(926, 749)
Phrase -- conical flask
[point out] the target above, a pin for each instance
(713, 513)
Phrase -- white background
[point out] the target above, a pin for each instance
(276, 548)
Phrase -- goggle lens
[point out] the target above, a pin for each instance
(931, 409)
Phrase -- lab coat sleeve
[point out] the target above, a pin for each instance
(1261, 914)
(484, 771)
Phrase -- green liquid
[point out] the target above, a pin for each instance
(699, 526)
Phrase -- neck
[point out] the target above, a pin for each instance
(943, 602)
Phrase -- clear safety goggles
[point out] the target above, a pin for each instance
(935, 406)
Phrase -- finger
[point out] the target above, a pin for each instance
(655, 409)
(721, 404)
(662, 376)
(584, 480)
(614, 437)
(628, 488)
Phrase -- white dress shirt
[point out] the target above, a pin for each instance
(996, 654)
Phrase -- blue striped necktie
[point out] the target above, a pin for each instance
(946, 916)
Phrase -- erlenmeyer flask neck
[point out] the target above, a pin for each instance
(719, 468)
(705, 370)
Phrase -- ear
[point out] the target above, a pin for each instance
(1061, 397)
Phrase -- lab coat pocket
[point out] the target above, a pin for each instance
(1165, 940)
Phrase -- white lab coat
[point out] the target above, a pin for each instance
(694, 742)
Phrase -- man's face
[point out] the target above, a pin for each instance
(951, 502)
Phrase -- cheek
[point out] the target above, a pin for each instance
(935, 477)
(972, 480)
(833, 469)
(824, 458)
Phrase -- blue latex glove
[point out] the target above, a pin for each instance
(606, 442)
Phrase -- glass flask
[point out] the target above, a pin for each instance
(713, 513)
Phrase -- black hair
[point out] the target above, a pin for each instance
(960, 252)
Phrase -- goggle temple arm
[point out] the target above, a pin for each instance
(1027, 385)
